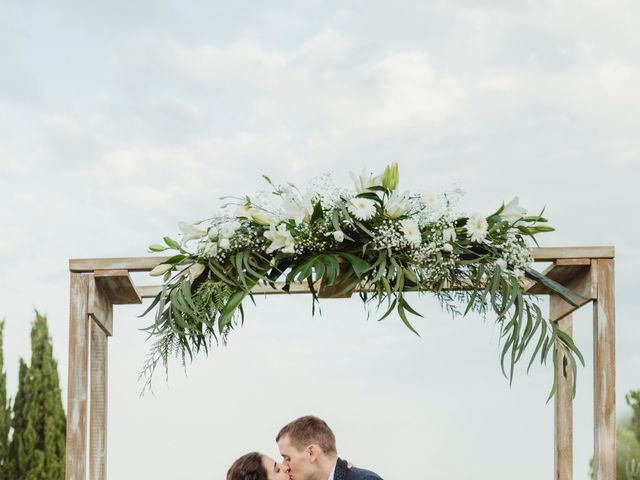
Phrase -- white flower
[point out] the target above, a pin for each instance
(449, 235)
(224, 243)
(194, 271)
(362, 208)
(297, 208)
(260, 217)
(411, 231)
(338, 236)
(190, 232)
(477, 227)
(211, 250)
(502, 264)
(447, 247)
(364, 181)
(397, 205)
(280, 238)
(244, 210)
(511, 212)
(433, 201)
(228, 229)
(160, 269)
(214, 231)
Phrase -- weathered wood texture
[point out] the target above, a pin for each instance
(100, 307)
(604, 370)
(588, 271)
(98, 437)
(563, 402)
(77, 392)
(146, 264)
(118, 286)
(575, 274)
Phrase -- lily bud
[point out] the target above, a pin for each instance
(160, 269)
(390, 176)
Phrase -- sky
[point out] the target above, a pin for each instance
(120, 119)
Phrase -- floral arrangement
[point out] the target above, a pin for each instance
(373, 239)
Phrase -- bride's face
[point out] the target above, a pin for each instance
(275, 470)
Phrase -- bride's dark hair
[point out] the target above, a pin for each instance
(248, 467)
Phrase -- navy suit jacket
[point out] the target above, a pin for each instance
(343, 472)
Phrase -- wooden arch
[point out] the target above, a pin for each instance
(98, 284)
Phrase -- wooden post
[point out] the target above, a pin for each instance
(563, 412)
(101, 312)
(77, 391)
(604, 368)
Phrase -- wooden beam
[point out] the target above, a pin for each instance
(118, 286)
(99, 390)
(562, 271)
(554, 253)
(563, 401)
(100, 307)
(575, 274)
(146, 264)
(604, 370)
(77, 389)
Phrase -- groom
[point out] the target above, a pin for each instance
(308, 448)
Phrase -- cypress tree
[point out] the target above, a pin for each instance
(39, 425)
(5, 413)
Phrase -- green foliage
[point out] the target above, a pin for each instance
(628, 443)
(633, 400)
(37, 448)
(5, 413)
(375, 240)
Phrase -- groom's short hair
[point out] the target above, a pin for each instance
(309, 430)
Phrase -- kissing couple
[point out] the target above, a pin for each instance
(308, 449)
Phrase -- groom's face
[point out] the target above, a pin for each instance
(301, 463)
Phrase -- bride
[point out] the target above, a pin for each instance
(256, 466)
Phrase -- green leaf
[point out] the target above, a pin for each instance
(227, 312)
(359, 265)
(566, 294)
(404, 318)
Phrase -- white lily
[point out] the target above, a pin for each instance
(512, 212)
(365, 180)
(160, 269)
(280, 238)
(194, 271)
(397, 205)
(449, 235)
(261, 217)
(296, 208)
(190, 232)
(411, 231)
(244, 210)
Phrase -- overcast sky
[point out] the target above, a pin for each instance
(119, 119)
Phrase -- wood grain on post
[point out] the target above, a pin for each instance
(77, 390)
(98, 438)
(563, 411)
(604, 370)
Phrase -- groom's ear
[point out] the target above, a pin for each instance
(313, 452)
